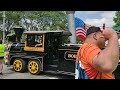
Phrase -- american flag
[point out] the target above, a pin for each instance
(81, 28)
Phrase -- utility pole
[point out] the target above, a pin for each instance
(71, 26)
(3, 27)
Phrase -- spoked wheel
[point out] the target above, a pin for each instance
(19, 65)
(34, 67)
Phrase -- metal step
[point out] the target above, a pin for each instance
(55, 62)
(52, 67)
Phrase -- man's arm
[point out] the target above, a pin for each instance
(38, 45)
(107, 60)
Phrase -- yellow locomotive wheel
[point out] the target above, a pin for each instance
(34, 67)
(19, 65)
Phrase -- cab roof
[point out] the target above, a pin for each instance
(40, 32)
(65, 32)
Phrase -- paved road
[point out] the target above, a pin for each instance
(8, 73)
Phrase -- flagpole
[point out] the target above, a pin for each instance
(3, 27)
(71, 26)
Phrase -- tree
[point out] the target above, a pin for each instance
(117, 18)
(12, 18)
(35, 20)
(44, 19)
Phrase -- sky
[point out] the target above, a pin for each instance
(97, 18)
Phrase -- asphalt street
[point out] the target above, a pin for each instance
(9, 73)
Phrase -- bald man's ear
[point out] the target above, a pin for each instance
(94, 36)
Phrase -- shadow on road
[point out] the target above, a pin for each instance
(58, 76)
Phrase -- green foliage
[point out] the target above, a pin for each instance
(117, 18)
(47, 19)
(12, 16)
(16, 16)
(57, 18)
(79, 41)
(0, 34)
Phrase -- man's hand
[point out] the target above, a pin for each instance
(109, 33)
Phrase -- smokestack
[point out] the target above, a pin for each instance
(18, 32)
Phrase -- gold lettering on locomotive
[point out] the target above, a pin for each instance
(71, 55)
(74, 55)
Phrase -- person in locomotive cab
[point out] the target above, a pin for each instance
(38, 44)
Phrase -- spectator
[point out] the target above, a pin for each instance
(99, 61)
(2, 50)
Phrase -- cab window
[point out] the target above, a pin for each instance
(34, 40)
